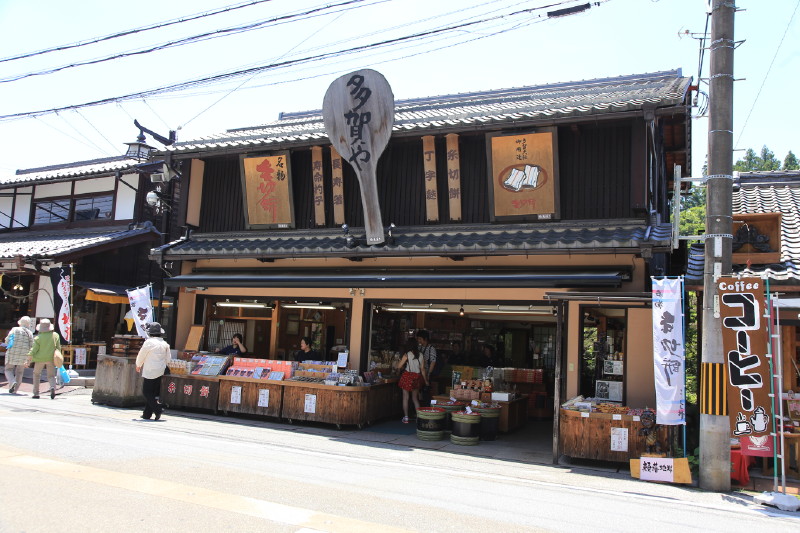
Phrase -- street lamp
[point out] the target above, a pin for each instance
(139, 150)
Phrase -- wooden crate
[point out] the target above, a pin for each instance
(250, 393)
(589, 437)
(332, 404)
(198, 392)
(117, 383)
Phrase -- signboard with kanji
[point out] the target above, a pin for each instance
(267, 191)
(523, 176)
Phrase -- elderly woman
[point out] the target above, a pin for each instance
(44, 347)
(17, 355)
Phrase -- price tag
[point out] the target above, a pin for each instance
(452, 399)
(584, 414)
(468, 410)
(635, 418)
(616, 417)
(475, 403)
(433, 402)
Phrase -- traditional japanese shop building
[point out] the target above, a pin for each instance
(528, 219)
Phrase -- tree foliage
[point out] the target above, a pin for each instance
(765, 161)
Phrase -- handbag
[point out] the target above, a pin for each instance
(62, 372)
(58, 358)
(10, 341)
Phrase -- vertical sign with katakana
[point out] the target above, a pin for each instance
(429, 169)
(453, 157)
(744, 343)
(669, 356)
(318, 189)
(337, 187)
(267, 186)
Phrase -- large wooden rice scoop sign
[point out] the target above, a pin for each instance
(358, 111)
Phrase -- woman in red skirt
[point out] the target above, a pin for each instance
(414, 375)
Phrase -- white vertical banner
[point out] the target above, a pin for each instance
(141, 308)
(669, 356)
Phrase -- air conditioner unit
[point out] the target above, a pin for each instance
(159, 177)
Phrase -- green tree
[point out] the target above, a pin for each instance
(748, 163)
(765, 161)
(790, 162)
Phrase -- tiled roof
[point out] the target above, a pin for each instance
(461, 240)
(474, 110)
(43, 244)
(765, 192)
(79, 169)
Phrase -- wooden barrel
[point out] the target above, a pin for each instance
(430, 423)
(466, 428)
(490, 421)
(450, 408)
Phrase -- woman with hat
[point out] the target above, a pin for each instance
(152, 362)
(44, 347)
(17, 354)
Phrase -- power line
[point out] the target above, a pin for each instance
(133, 31)
(283, 64)
(186, 40)
(764, 81)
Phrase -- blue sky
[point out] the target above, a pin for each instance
(615, 38)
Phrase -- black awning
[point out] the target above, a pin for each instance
(380, 279)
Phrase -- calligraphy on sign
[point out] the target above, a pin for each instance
(657, 469)
(60, 279)
(267, 186)
(744, 342)
(523, 175)
(669, 357)
(358, 112)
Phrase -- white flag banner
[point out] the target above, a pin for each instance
(141, 308)
(669, 356)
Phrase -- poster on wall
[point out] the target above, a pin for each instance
(267, 191)
(744, 346)
(523, 176)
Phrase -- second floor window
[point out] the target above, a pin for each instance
(68, 210)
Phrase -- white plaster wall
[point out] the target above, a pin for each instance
(50, 190)
(6, 204)
(126, 197)
(95, 185)
(22, 207)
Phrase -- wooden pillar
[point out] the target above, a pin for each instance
(429, 162)
(337, 183)
(319, 190)
(453, 177)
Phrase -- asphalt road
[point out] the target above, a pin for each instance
(68, 464)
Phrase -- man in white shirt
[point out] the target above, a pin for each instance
(152, 362)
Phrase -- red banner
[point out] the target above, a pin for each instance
(745, 333)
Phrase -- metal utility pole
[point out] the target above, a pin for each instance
(714, 424)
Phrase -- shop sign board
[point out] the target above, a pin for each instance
(524, 176)
(657, 469)
(745, 334)
(669, 354)
(267, 186)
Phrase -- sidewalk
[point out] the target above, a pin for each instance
(25, 388)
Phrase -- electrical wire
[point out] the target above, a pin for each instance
(764, 81)
(133, 31)
(284, 64)
(225, 32)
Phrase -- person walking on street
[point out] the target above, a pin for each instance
(152, 363)
(44, 348)
(17, 354)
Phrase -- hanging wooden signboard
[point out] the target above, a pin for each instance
(453, 177)
(267, 186)
(429, 166)
(319, 190)
(358, 112)
(523, 176)
(337, 186)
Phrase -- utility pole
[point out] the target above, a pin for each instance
(714, 423)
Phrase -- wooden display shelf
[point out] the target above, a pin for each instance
(357, 406)
(200, 392)
(589, 437)
(250, 394)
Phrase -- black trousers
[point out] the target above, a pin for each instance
(151, 388)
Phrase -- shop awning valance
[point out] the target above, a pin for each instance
(330, 278)
(111, 294)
